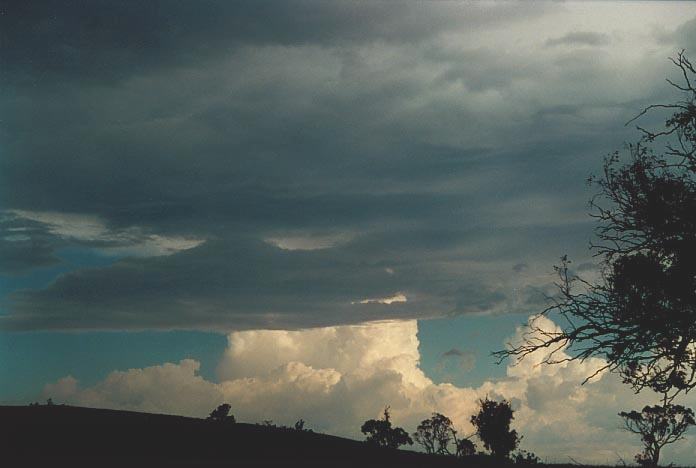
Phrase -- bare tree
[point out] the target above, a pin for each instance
(657, 426)
(640, 317)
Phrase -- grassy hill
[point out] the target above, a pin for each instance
(68, 436)
(58, 435)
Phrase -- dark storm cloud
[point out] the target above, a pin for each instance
(24, 245)
(242, 282)
(386, 145)
(102, 40)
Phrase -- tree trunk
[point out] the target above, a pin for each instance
(656, 455)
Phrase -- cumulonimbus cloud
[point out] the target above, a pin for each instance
(336, 377)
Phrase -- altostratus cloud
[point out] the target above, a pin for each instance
(93, 231)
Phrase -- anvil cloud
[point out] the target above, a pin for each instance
(254, 165)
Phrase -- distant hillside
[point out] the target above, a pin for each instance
(67, 436)
(57, 436)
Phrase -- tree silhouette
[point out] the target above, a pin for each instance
(523, 457)
(300, 425)
(435, 434)
(657, 426)
(381, 433)
(640, 316)
(221, 414)
(465, 448)
(492, 424)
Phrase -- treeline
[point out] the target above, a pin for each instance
(435, 435)
(656, 425)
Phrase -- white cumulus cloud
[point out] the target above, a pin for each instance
(337, 377)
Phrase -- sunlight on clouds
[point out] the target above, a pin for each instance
(68, 225)
(337, 377)
(154, 246)
(398, 297)
(131, 241)
(308, 242)
(16, 238)
(346, 348)
(63, 389)
(533, 364)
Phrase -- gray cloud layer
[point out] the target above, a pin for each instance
(580, 38)
(411, 149)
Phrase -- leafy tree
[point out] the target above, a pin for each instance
(381, 433)
(492, 425)
(465, 448)
(221, 414)
(435, 434)
(657, 426)
(523, 457)
(640, 316)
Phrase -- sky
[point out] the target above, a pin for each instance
(314, 209)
